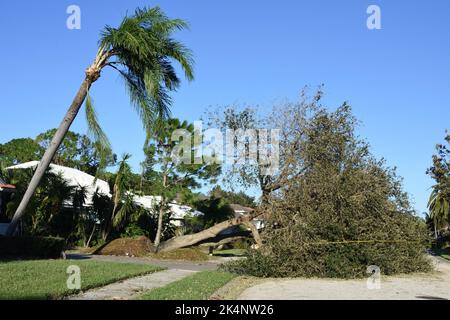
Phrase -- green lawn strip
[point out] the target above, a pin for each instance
(47, 279)
(445, 253)
(199, 286)
(230, 252)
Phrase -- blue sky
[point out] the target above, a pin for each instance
(257, 52)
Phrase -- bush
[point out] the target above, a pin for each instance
(32, 247)
(242, 244)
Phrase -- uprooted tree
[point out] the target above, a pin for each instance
(340, 210)
(331, 209)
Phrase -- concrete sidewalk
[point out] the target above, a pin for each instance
(132, 288)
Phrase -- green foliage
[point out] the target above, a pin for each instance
(142, 222)
(101, 142)
(231, 197)
(439, 201)
(346, 211)
(241, 244)
(45, 206)
(163, 173)
(215, 210)
(19, 151)
(32, 247)
(49, 214)
(142, 50)
(76, 151)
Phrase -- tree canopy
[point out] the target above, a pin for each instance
(439, 201)
(341, 210)
(76, 151)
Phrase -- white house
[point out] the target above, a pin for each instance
(178, 212)
(74, 178)
(240, 211)
(77, 178)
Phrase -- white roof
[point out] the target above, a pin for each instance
(74, 178)
(178, 211)
(77, 178)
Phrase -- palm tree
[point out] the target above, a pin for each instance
(141, 49)
(438, 204)
(119, 193)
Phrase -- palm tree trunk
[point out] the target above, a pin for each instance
(435, 230)
(50, 152)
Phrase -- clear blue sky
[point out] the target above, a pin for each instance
(397, 79)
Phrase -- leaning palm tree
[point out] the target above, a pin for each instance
(141, 49)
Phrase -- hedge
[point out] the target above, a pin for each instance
(31, 247)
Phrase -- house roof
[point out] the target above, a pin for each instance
(77, 178)
(178, 211)
(4, 185)
(73, 177)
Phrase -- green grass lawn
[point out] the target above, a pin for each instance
(199, 286)
(47, 279)
(230, 252)
(445, 253)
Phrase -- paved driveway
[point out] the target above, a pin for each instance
(407, 287)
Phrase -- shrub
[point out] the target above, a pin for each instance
(31, 247)
(242, 244)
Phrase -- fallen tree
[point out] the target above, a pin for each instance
(214, 231)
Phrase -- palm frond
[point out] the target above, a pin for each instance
(101, 141)
(124, 211)
(143, 49)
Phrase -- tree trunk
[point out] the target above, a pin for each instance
(109, 224)
(255, 233)
(192, 239)
(435, 230)
(160, 226)
(221, 242)
(90, 237)
(160, 216)
(51, 150)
